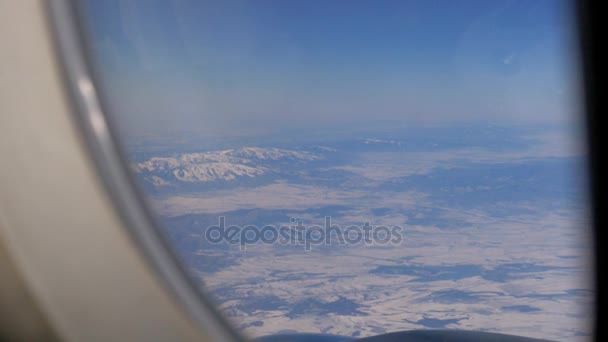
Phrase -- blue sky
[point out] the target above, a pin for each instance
(171, 66)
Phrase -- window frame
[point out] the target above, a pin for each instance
(89, 111)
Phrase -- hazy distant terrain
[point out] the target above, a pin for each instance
(494, 230)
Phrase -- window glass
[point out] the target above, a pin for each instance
(359, 167)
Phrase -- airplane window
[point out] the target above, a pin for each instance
(356, 168)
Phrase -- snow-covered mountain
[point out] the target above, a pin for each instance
(218, 166)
